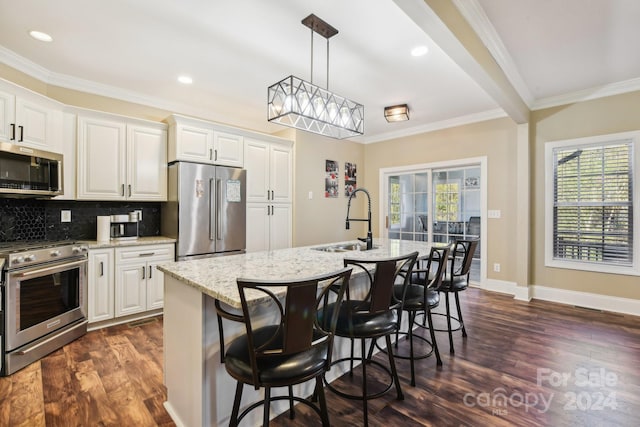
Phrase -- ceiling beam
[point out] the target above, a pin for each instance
(445, 25)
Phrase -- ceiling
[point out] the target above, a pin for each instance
(487, 58)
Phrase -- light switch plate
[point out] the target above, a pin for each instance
(65, 216)
(494, 213)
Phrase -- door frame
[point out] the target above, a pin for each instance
(384, 174)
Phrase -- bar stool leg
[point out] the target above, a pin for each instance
(292, 414)
(412, 318)
(433, 337)
(324, 413)
(364, 383)
(464, 331)
(233, 421)
(267, 406)
(394, 372)
(451, 350)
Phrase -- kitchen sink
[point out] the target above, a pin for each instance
(344, 247)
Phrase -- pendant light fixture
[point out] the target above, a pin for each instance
(303, 105)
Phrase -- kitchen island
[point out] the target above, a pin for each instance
(199, 391)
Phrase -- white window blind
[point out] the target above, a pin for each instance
(593, 203)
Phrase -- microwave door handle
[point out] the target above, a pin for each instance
(212, 210)
(53, 267)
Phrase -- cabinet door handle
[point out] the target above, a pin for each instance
(210, 153)
(122, 190)
(144, 273)
(268, 195)
(21, 133)
(150, 272)
(216, 155)
(101, 268)
(13, 131)
(273, 197)
(129, 190)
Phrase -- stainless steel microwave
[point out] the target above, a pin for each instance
(28, 172)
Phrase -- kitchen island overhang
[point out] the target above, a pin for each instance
(199, 390)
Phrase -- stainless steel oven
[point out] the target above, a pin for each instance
(44, 300)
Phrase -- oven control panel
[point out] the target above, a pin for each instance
(31, 256)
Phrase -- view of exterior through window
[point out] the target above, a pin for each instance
(593, 209)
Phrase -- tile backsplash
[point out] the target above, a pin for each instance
(31, 219)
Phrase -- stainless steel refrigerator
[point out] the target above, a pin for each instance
(205, 210)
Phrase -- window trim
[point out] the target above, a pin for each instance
(634, 268)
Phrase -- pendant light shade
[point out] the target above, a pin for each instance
(303, 105)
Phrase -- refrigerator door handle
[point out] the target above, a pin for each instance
(218, 205)
(212, 210)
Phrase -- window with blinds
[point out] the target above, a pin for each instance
(593, 203)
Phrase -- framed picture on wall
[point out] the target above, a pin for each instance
(331, 179)
(350, 178)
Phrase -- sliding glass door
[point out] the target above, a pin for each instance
(450, 196)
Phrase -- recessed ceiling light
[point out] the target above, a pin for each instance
(39, 35)
(185, 80)
(419, 51)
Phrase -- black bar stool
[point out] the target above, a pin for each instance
(287, 349)
(419, 296)
(372, 317)
(456, 280)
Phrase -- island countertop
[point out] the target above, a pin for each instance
(217, 276)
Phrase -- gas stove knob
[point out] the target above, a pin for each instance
(79, 249)
(29, 258)
(18, 260)
(55, 253)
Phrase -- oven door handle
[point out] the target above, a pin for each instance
(45, 342)
(52, 267)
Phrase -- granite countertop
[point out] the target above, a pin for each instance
(149, 240)
(217, 276)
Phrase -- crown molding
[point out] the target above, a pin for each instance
(442, 124)
(23, 65)
(611, 89)
(479, 21)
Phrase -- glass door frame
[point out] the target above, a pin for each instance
(383, 188)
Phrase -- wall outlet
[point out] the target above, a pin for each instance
(496, 267)
(310, 195)
(65, 216)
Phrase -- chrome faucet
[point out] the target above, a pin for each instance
(369, 238)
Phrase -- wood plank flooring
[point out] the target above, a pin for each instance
(523, 364)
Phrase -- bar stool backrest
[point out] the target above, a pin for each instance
(294, 327)
(463, 251)
(380, 296)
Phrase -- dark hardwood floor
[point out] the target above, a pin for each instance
(523, 364)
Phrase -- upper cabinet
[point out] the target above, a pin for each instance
(30, 119)
(203, 142)
(121, 159)
(269, 171)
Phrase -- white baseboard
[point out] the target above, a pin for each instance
(589, 300)
(563, 296)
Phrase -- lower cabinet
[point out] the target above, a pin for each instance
(125, 281)
(268, 226)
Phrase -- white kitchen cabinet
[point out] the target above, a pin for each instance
(269, 171)
(100, 285)
(204, 142)
(30, 119)
(139, 284)
(269, 194)
(121, 159)
(268, 226)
